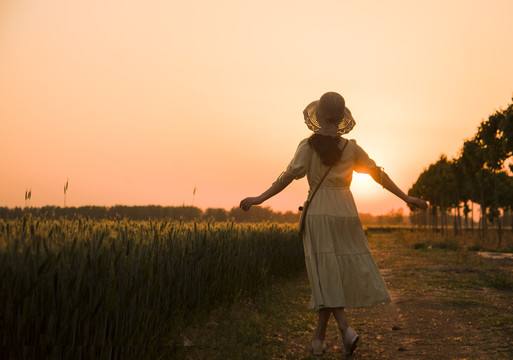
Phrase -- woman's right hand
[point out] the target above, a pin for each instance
(421, 204)
(248, 202)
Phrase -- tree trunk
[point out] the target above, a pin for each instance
(499, 228)
(466, 217)
(483, 208)
(441, 221)
(458, 222)
(445, 222)
(459, 219)
(435, 218)
(455, 222)
(472, 207)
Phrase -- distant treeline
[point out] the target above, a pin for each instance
(146, 212)
(479, 175)
(394, 217)
(185, 213)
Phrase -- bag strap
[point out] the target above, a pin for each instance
(326, 174)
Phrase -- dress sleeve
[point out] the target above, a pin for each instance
(298, 167)
(364, 164)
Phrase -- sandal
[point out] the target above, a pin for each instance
(350, 340)
(318, 347)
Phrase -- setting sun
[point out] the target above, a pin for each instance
(365, 191)
(364, 186)
(359, 178)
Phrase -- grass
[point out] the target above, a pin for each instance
(434, 284)
(468, 240)
(499, 280)
(101, 284)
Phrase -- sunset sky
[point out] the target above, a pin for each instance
(139, 102)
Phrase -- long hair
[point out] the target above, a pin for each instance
(327, 148)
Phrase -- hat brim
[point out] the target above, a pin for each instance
(317, 126)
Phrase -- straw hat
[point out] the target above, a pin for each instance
(329, 115)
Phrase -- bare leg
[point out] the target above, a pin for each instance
(349, 336)
(340, 316)
(322, 324)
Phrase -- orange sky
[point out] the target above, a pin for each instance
(138, 102)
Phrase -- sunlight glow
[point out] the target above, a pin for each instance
(365, 189)
(361, 178)
(363, 186)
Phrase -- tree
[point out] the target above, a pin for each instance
(217, 214)
(506, 125)
(472, 162)
(490, 136)
(480, 166)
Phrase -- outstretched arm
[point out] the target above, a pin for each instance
(382, 178)
(282, 182)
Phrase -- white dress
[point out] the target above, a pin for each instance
(340, 266)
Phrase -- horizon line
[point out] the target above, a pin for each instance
(392, 210)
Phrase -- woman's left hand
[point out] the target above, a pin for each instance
(419, 203)
(249, 202)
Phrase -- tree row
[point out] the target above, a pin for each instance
(478, 177)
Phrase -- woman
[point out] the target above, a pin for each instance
(340, 267)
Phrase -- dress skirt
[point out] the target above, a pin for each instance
(340, 266)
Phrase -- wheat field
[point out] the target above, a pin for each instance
(116, 289)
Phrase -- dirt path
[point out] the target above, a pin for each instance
(418, 327)
(411, 328)
(445, 305)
